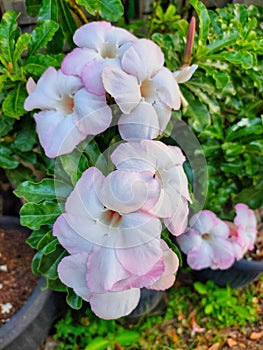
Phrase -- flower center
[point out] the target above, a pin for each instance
(146, 89)
(108, 51)
(67, 105)
(111, 218)
(206, 236)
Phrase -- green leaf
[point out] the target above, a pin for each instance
(250, 196)
(204, 20)
(74, 164)
(67, 22)
(227, 40)
(35, 262)
(20, 174)
(6, 125)
(8, 28)
(200, 288)
(47, 189)
(208, 309)
(197, 111)
(13, 105)
(36, 65)
(33, 7)
(48, 265)
(127, 337)
(21, 46)
(245, 59)
(6, 160)
(111, 10)
(36, 236)
(41, 35)
(73, 300)
(98, 343)
(48, 10)
(35, 215)
(56, 285)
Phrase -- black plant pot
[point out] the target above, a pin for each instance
(28, 328)
(241, 273)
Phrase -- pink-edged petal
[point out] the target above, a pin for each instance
(72, 272)
(185, 73)
(200, 257)
(83, 200)
(203, 221)
(246, 222)
(178, 222)
(104, 269)
(112, 305)
(93, 115)
(223, 255)
(127, 191)
(135, 281)
(75, 61)
(57, 134)
(69, 238)
(123, 87)
(188, 240)
(141, 123)
(92, 35)
(171, 263)
(167, 88)
(143, 59)
(141, 259)
(220, 230)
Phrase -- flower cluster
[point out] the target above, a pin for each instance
(112, 225)
(211, 242)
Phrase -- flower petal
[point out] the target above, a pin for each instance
(104, 269)
(68, 238)
(167, 88)
(57, 133)
(112, 305)
(123, 87)
(143, 59)
(75, 61)
(72, 272)
(93, 115)
(139, 260)
(188, 240)
(141, 123)
(92, 35)
(185, 73)
(127, 191)
(178, 222)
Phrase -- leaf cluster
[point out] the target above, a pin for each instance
(224, 99)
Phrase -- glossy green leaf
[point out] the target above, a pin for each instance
(227, 40)
(74, 164)
(41, 35)
(56, 285)
(111, 10)
(47, 189)
(73, 300)
(67, 22)
(245, 59)
(7, 161)
(251, 196)
(35, 262)
(35, 215)
(6, 125)
(13, 105)
(48, 10)
(36, 65)
(48, 265)
(36, 236)
(200, 288)
(21, 45)
(8, 27)
(20, 174)
(200, 117)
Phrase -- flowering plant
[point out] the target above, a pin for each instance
(124, 173)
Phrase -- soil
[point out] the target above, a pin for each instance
(15, 264)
